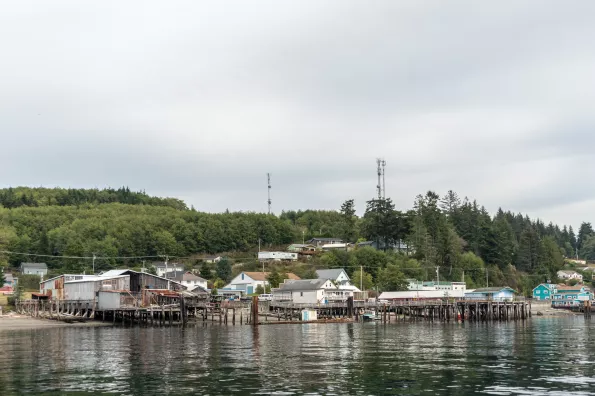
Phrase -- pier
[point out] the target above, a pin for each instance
(179, 310)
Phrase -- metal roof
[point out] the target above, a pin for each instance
(490, 290)
(304, 284)
(330, 273)
(35, 265)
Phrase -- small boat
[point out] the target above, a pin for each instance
(370, 316)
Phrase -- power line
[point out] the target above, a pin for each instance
(82, 257)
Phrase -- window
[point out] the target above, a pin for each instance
(242, 276)
(537, 291)
(301, 294)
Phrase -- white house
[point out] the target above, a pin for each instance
(339, 278)
(40, 269)
(162, 269)
(212, 259)
(567, 275)
(188, 279)
(310, 291)
(247, 282)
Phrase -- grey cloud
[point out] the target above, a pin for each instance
(201, 99)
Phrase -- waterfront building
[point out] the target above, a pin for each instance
(310, 291)
(570, 296)
(568, 275)
(75, 286)
(339, 277)
(40, 269)
(414, 295)
(246, 283)
(544, 291)
(491, 294)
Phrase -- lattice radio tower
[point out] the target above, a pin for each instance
(381, 186)
(269, 184)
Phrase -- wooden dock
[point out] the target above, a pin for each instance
(182, 311)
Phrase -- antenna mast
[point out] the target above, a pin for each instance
(269, 184)
(379, 171)
(383, 182)
(381, 186)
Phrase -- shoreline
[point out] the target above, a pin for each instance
(21, 322)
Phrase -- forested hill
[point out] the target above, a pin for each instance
(39, 196)
(456, 235)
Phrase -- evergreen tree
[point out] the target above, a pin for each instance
(585, 231)
(349, 232)
(527, 255)
(224, 270)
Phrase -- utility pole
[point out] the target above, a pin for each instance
(487, 278)
(166, 260)
(303, 237)
(463, 276)
(94, 257)
(438, 275)
(361, 277)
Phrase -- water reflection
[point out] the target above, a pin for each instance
(541, 356)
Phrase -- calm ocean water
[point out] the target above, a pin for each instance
(543, 356)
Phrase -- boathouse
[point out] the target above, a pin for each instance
(491, 294)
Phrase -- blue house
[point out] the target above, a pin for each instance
(544, 291)
(570, 297)
(491, 294)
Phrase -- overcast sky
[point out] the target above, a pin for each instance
(199, 100)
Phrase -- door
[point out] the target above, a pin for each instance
(250, 289)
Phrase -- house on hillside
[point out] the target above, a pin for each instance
(319, 242)
(570, 296)
(246, 282)
(379, 245)
(212, 259)
(301, 248)
(40, 269)
(491, 294)
(162, 268)
(310, 291)
(277, 256)
(9, 280)
(568, 275)
(339, 278)
(337, 246)
(188, 279)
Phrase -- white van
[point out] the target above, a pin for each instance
(265, 297)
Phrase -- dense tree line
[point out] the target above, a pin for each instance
(27, 196)
(444, 237)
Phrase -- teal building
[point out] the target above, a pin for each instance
(544, 291)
